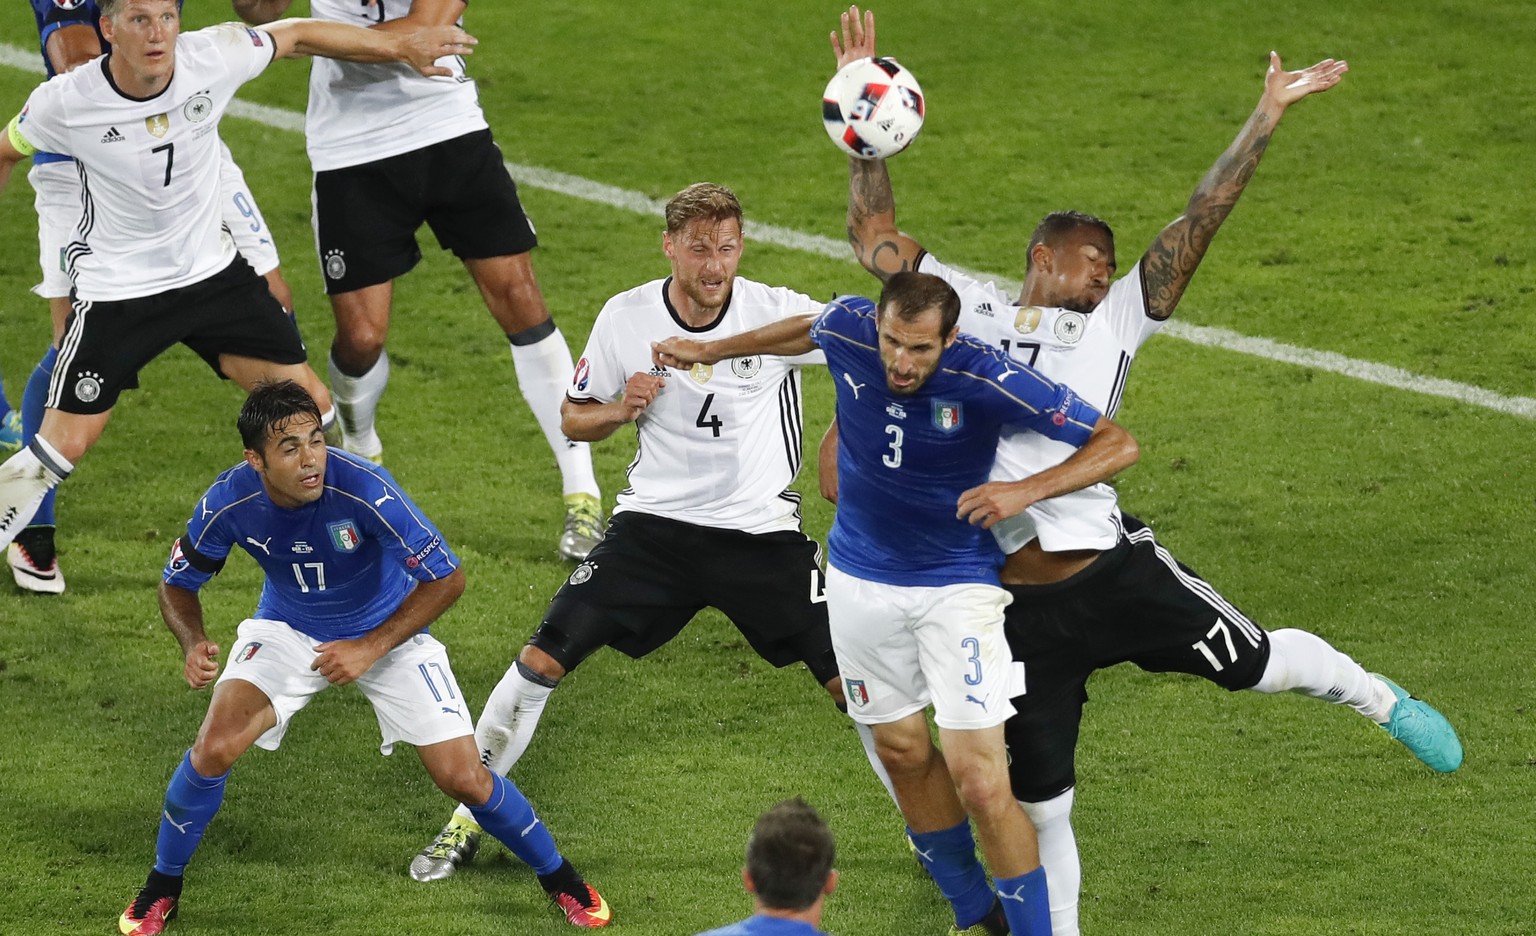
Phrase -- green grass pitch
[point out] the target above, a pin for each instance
(1390, 222)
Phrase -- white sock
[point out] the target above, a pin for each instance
(357, 399)
(1308, 664)
(507, 723)
(544, 370)
(867, 738)
(329, 427)
(1058, 855)
(24, 480)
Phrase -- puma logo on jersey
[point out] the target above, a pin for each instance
(206, 512)
(848, 379)
(253, 542)
(380, 501)
(980, 702)
(1005, 375)
(112, 136)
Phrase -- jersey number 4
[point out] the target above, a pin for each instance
(713, 423)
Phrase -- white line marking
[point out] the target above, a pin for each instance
(563, 183)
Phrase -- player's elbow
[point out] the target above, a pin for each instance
(260, 12)
(1125, 448)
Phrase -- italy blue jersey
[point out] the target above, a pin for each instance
(336, 568)
(52, 15)
(904, 460)
(761, 925)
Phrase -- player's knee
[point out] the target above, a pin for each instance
(468, 783)
(904, 752)
(982, 788)
(357, 346)
(541, 663)
(214, 753)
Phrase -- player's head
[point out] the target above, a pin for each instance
(703, 241)
(143, 36)
(789, 858)
(917, 318)
(1071, 261)
(280, 425)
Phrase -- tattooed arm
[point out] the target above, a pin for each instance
(1171, 261)
(880, 247)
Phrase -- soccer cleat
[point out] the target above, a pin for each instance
(582, 905)
(993, 924)
(455, 845)
(10, 433)
(152, 909)
(583, 526)
(34, 563)
(1422, 730)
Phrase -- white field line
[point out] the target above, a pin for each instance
(587, 190)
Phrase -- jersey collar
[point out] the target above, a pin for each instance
(695, 329)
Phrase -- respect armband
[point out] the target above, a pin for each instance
(13, 134)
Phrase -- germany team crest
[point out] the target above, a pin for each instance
(344, 536)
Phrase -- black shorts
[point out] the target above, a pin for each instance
(366, 216)
(650, 575)
(1135, 604)
(106, 343)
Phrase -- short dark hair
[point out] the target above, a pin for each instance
(790, 855)
(907, 295)
(702, 201)
(1056, 225)
(270, 406)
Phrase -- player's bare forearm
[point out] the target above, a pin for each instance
(426, 13)
(1108, 451)
(593, 421)
(71, 46)
(788, 337)
(879, 246)
(1171, 261)
(261, 12)
(342, 661)
(183, 614)
(417, 47)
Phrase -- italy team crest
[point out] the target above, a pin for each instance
(248, 651)
(858, 694)
(947, 416)
(344, 536)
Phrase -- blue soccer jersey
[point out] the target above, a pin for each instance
(336, 568)
(904, 460)
(51, 16)
(762, 925)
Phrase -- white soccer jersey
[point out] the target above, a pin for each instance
(720, 444)
(1090, 353)
(360, 113)
(150, 218)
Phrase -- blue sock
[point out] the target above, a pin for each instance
(191, 801)
(34, 400)
(508, 816)
(949, 855)
(1026, 904)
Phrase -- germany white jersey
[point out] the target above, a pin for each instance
(151, 213)
(1091, 353)
(361, 113)
(720, 444)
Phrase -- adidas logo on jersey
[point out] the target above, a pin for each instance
(112, 136)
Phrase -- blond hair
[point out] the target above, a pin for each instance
(702, 201)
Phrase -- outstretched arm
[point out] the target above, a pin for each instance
(1108, 451)
(419, 48)
(1171, 261)
(787, 337)
(879, 246)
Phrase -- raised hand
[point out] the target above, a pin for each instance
(858, 37)
(639, 393)
(1287, 87)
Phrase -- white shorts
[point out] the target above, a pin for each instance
(56, 195)
(900, 649)
(412, 688)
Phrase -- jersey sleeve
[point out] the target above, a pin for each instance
(1125, 306)
(405, 532)
(40, 125)
(200, 552)
(246, 50)
(847, 322)
(1025, 397)
(599, 376)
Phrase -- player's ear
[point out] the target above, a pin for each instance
(746, 881)
(254, 459)
(831, 884)
(666, 243)
(1041, 257)
(954, 333)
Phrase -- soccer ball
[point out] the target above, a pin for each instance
(872, 108)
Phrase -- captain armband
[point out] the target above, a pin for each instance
(13, 134)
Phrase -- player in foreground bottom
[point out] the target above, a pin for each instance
(913, 598)
(788, 873)
(355, 573)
